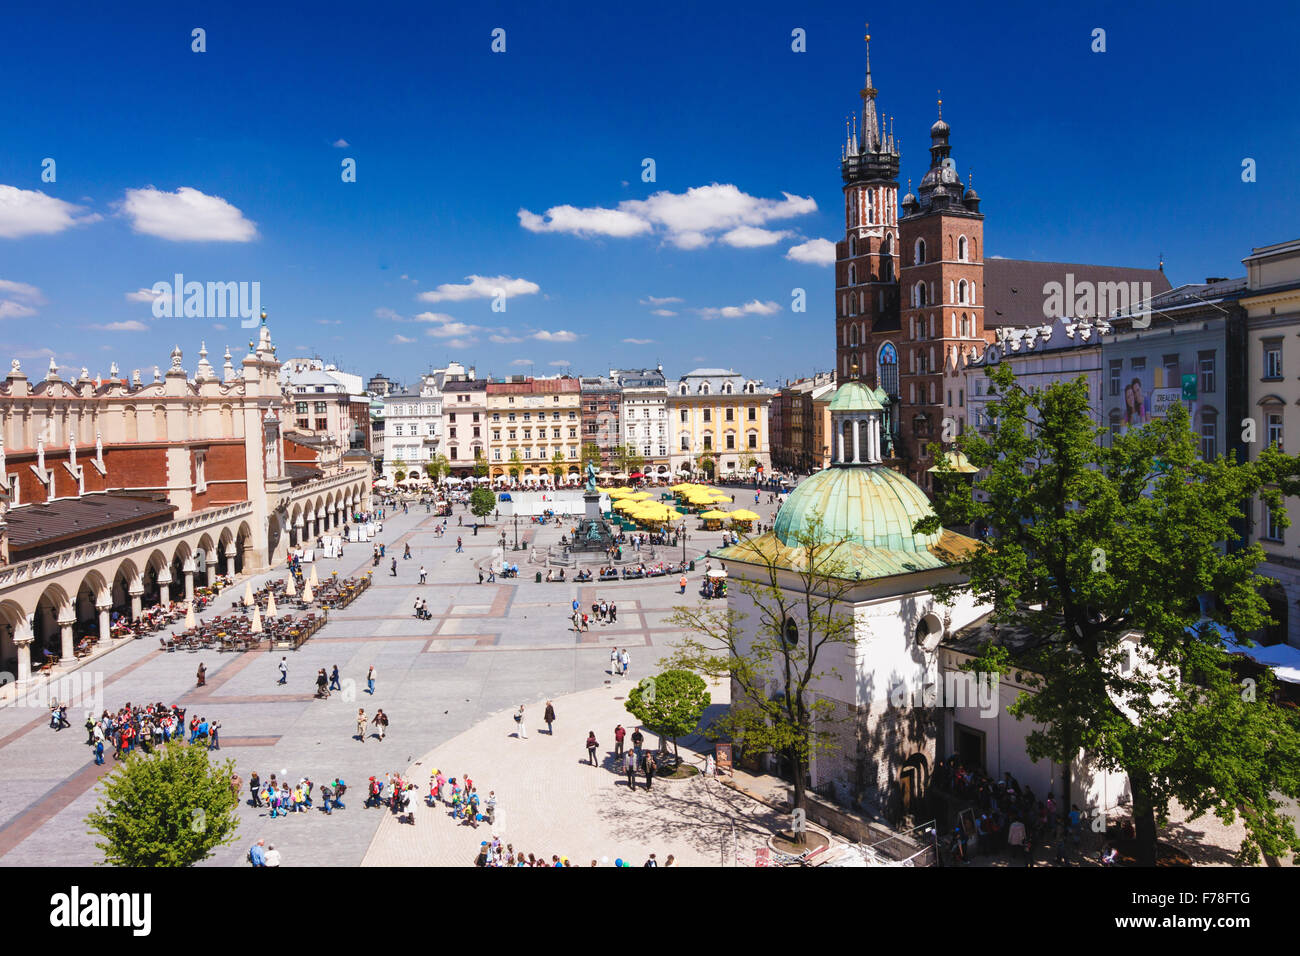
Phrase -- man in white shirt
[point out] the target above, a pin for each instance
(272, 856)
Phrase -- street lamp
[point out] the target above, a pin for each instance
(516, 532)
(683, 541)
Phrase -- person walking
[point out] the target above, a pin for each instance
(393, 569)
(629, 768)
(321, 681)
(334, 679)
(381, 721)
(480, 575)
(625, 662)
(214, 738)
(613, 614)
(521, 729)
(591, 746)
(361, 724)
(99, 752)
(549, 717)
(284, 670)
(202, 674)
(423, 574)
(619, 734)
(254, 788)
(370, 681)
(650, 768)
(613, 661)
(681, 583)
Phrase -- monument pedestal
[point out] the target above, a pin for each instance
(593, 533)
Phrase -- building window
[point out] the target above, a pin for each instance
(1273, 429)
(919, 258)
(1209, 435)
(753, 414)
(753, 440)
(686, 443)
(322, 424)
(731, 441)
(301, 408)
(1116, 370)
(1272, 358)
(961, 248)
(708, 414)
(397, 430)
(1205, 364)
(1273, 530)
(453, 452)
(708, 442)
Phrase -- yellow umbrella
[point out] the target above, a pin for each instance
(640, 495)
(271, 609)
(291, 588)
(616, 492)
(741, 514)
(315, 582)
(624, 505)
(257, 620)
(307, 596)
(714, 515)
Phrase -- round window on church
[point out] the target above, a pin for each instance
(928, 632)
(790, 632)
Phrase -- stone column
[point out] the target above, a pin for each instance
(189, 580)
(839, 439)
(230, 563)
(212, 569)
(857, 428)
(67, 650)
(137, 599)
(105, 624)
(24, 646)
(164, 589)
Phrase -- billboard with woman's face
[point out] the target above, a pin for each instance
(1155, 386)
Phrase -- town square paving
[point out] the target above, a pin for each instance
(488, 648)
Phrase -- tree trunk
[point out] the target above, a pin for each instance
(799, 799)
(1144, 819)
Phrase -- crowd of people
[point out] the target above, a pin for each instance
(144, 726)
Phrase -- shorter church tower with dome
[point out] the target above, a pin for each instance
(876, 683)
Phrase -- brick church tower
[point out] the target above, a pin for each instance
(941, 286)
(866, 259)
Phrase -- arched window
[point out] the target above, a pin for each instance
(853, 335)
(887, 368)
(853, 208)
(853, 245)
(961, 292)
(920, 252)
(704, 388)
(961, 248)
(920, 295)
(871, 206)
(726, 389)
(853, 274)
(887, 260)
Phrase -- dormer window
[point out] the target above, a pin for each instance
(704, 388)
(682, 390)
(726, 389)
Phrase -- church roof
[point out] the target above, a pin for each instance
(854, 397)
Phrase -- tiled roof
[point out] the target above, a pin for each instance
(1013, 288)
(64, 523)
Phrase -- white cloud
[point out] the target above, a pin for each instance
(385, 313)
(341, 143)
(29, 212)
(655, 300)
(558, 336)
(689, 220)
(480, 287)
(18, 299)
(187, 215)
(141, 295)
(638, 341)
(433, 317)
(449, 330)
(521, 362)
(585, 222)
(751, 237)
(753, 307)
(329, 321)
(664, 312)
(818, 252)
(129, 326)
(560, 363)
(505, 339)
(400, 340)
(461, 343)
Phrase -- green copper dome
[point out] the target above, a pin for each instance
(869, 505)
(854, 397)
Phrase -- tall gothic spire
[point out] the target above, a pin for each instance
(870, 122)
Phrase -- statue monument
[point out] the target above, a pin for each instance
(593, 534)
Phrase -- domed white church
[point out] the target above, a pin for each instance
(887, 740)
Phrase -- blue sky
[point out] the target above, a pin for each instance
(524, 168)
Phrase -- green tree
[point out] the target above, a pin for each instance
(1092, 542)
(172, 807)
(437, 467)
(480, 468)
(706, 463)
(399, 470)
(482, 501)
(557, 464)
(515, 463)
(591, 453)
(800, 614)
(671, 704)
